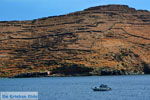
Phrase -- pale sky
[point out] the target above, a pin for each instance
(32, 9)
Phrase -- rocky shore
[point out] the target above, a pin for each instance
(34, 74)
(102, 73)
(62, 72)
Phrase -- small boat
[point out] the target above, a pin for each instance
(102, 87)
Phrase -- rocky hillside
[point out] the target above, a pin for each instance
(100, 40)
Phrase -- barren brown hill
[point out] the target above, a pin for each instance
(111, 37)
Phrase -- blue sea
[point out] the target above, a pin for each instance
(132, 87)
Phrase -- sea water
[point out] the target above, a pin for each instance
(132, 87)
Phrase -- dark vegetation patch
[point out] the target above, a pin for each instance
(72, 69)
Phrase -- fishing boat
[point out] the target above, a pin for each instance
(102, 87)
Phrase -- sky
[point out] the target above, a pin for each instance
(32, 9)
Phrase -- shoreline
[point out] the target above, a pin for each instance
(75, 72)
(77, 75)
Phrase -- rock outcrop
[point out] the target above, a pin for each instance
(115, 36)
(33, 74)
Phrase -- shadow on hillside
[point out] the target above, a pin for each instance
(72, 69)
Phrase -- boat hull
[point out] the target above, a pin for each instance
(101, 89)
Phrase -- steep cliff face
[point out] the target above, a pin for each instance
(112, 36)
